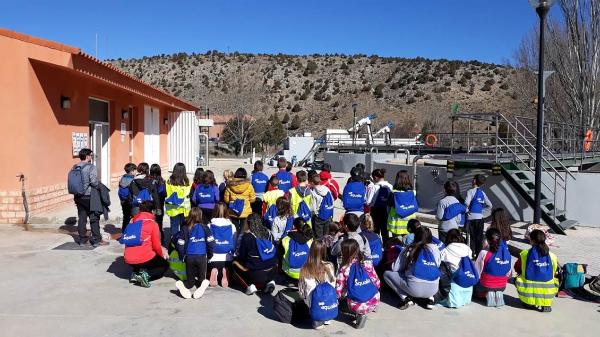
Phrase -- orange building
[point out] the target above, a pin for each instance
(55, 99)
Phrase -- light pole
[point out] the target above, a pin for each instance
(542, 7)
(354, 105)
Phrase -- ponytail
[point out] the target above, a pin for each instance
(422, 239)
(493, 237)
(538, 239)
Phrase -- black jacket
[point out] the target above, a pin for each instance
(248, 254)
(100, 200)
(147, 183)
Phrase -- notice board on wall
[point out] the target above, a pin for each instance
(80, 141)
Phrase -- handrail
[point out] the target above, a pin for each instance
(524, 163)
(406, 152)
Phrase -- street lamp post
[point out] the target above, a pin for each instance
(542, 7)
(354, 105)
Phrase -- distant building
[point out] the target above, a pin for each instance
(56, 99)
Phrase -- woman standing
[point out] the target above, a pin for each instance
(177, 203)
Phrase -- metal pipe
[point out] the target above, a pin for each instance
(414, 164)
(24, 195)
(206, 160)
(406, 152)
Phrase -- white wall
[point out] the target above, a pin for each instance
(183, 140)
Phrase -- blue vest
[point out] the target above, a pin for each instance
(266, 249)
(376, 246)
(297, 254)
(132, 236)
(499, 263)
(466, 276)
(324, 303)
(259, 181)
(354, 196)
(478, 202)
(405, 203)
(425, 267)
(360, 287)
(205, 194)
(326, 208)
(197, 241)
(537, 267)
(383, 197)
(223, 239)
(285, 180)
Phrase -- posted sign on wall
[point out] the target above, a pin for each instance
(80, 141)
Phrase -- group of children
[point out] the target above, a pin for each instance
(256, 227)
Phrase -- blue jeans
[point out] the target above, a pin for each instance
(176, 223)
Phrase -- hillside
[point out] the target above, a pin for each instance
(412, 93)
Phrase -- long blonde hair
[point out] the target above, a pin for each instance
(227, 174)
(315, 266)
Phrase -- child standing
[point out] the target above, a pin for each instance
(225, 242)
(357, 281)
(322, 207)
(318, 273)
(161, 190)
(300, 198)
(126, 179)
(259, 182)
(476, 202)
(450, 211)
(177, 204)
(206, 195)
(329, 182)
(403, 205)
(271, 195)
(378, 200)
(195, 243)
(355, 193)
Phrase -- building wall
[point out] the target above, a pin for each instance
(36, 131)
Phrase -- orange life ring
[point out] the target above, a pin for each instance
(431, 140)
(587, 144)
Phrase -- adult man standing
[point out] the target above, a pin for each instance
(81, 185)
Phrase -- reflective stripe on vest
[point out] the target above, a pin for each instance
(534, 292)
(291, 272)
(397, 225)
(295, 199)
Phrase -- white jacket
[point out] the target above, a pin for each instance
(453, 253)
(221, 222)
(373, 191)
(306, 286)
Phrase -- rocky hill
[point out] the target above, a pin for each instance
(320, 89)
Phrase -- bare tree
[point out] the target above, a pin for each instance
(573, 51)
(240, 131)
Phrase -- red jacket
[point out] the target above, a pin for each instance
(328, 181)
(150, 246)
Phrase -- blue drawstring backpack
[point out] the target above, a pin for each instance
(297, 254)
(237, 206)
(383, 197)
(326, 208)
(161, 190)
(304, 211)
(438, 243)
(573, 275)
(499, 263)
(204, 194)
(466, 276)
(425, 267)
(376, 246)
(143, 195)
(454, 210)
(223, 239)
(289, 225)
(259, 182)
(132, 237)
(270, 215)
(405, 203)
(353, 197)
(538, 268)
(197, 241)
(478, 203)
(360, 287)
(266, 249)
(123, 193)
(285, 180)
(323, 303)
(174, 200)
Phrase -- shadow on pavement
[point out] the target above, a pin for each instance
(119, 268)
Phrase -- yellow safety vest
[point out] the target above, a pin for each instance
(270, 197)
(295, 199)
(291, 272)
(396, 224)
(182, 192)
(536, 293)
(177, 265)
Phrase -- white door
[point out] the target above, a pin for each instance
(183, 139)
(99, 137)
(151, 135)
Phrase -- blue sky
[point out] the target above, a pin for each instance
(454, 29)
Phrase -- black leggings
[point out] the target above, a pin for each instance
(195, 270)
(475, 235)
(156, 267)
(380, 217)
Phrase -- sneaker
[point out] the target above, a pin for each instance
(430, 304)
(270, 287)
(491, 299)
(360, 321)
(183, 291)
(99, 243)
(214, 273)
(546, 309)
(251, 289)
(224, 279)
(499, 298)
(132, 278)
(405, 304)
(142, 278)
(327, 322)
(201, 289)
(318, 326)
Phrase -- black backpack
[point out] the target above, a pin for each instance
(75, 183)
(288, 306)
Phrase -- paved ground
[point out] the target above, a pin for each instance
(46, 292)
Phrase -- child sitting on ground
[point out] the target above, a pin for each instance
(282, 223)
(375, 243)
(457, 256)
(195, 243)
(225, 237)
(352, 225)
(493, 266)
(357, 282)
